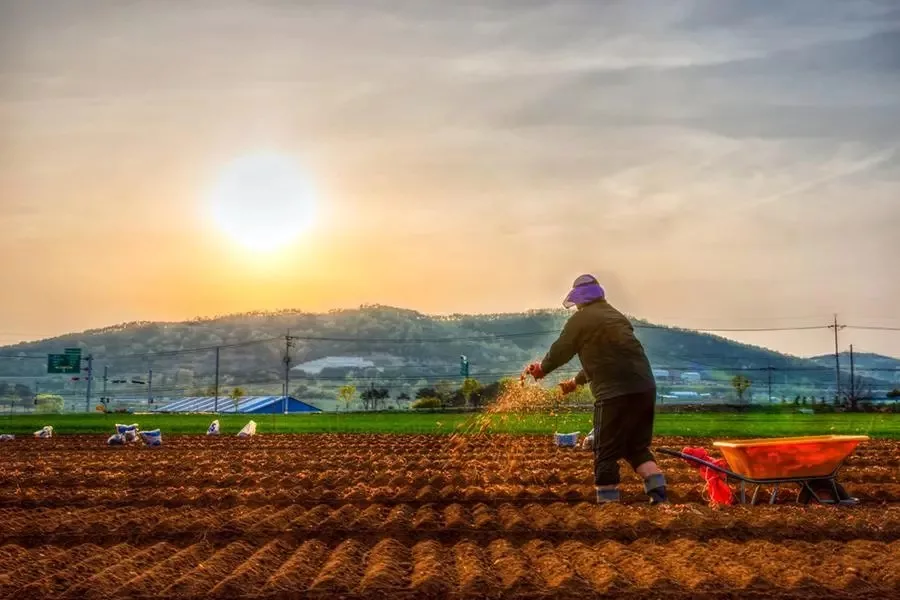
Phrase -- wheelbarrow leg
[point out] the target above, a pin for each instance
(801, 499)
(834, 488)
(805, 486)
(755, 493)
(743, 493)
(774, 495)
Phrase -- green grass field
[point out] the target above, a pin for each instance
(691, 424)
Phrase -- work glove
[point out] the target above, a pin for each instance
(588, 443)
(568, 386)
(535, 370)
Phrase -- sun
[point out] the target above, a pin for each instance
(262, 202)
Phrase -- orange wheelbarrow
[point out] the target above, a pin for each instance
(810, 462)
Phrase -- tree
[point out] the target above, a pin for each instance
(236, 394)
(489, 392)
(346, 394)
(426, 392)
(741, 384)
(368, 397)
(894, 393)
(469, 387)
(444, 391)
(858, 390)
(427, 403)
(371, 397)
(49, 403)
(381, 396)
(403, 399)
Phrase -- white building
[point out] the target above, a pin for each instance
(314, 367)
(690, 377)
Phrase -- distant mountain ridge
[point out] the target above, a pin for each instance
(407, 345)
(865, 361)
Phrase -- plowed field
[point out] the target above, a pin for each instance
(330, 516)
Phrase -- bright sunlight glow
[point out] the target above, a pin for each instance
(262, 202)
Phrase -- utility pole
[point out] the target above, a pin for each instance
(852, 395)
(149, 386)
(105, 377)
(216, 403)
(90, 378)
(837, 357)
(288, 344)
(769, 369)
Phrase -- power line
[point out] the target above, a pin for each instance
(732, 329)
(190, 350)
(487, 374)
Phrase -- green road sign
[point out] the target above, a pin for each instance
(74, 355)
(58, 363)
(70, 362)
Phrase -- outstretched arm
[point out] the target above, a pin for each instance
(563, 349)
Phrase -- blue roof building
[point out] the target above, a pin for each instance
(250, 405)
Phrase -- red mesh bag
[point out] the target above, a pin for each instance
(716, 486)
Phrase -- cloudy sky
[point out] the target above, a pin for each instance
(716, 163)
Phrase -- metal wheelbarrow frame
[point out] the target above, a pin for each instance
(808, 485)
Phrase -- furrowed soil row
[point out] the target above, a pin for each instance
(446, 522)
(467, 568)
(220, 498)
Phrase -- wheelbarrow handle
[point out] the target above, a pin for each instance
(699, 461)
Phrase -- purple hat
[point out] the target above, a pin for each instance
(585, 289)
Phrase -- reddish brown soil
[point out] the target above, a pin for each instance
(368, 516)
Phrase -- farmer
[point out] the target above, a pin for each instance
(624, 391)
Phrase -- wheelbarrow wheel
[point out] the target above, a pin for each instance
(825, 491)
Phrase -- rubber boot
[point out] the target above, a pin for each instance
(607, 495)
(655, 487)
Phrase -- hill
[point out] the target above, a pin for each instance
(866, 364)
(408, 349)
(863, 360)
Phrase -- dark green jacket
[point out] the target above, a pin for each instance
(612, 358)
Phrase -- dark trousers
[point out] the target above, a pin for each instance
(623, 428)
